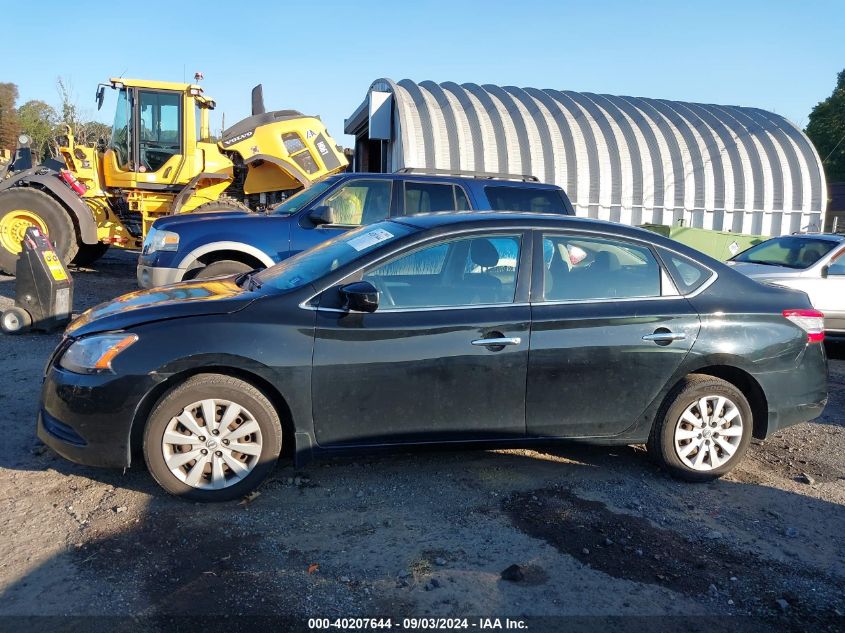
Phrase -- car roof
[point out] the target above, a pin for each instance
(483, 181)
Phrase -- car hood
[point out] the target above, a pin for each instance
(763, 271)
(191, 298)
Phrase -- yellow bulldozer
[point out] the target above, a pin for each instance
(160, 160)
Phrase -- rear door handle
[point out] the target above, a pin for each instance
(665, 337)
(497, 342)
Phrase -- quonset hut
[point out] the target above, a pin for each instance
(627, 159)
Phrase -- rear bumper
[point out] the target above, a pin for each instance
(798, 395)
(154, 276)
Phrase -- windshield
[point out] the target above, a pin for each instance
(308, 266)
(789, 251)
(299, 200)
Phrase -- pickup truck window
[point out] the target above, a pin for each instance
(525, 199)
(360, 202)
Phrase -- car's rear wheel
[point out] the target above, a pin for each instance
(703, 429)
(213, 438)
(222, 268)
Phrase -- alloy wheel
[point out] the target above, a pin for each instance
(708, 432)
(212, 444)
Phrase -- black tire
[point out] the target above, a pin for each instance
(15, 320)
(222, 268)
(89, 253)
(217, 387)
(661, 442)
(223, 203)
(55, 217)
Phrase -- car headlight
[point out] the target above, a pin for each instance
(158, 240)
(95, 353)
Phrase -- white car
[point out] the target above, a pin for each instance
(813, 262)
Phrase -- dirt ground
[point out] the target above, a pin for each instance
(592, 531)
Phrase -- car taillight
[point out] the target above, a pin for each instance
(811, 321)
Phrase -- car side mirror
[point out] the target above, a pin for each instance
(360, 296)
(825, 271)
(322, 215)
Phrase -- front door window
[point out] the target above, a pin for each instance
(159, 128)
(360, 202)
(478, 270)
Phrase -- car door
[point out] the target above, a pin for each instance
(445, 355)
(608, 330)
(356, 202)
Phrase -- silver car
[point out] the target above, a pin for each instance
(814, 263)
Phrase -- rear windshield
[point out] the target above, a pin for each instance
(790, 251)
(526, 199)
(309, 266)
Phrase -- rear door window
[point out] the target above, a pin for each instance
(510, 198)
(688, 275)
(425, 197)
(579, 268)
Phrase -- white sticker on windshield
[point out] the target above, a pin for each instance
(369, 238)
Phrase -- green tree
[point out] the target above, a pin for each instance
(8, 116)
(39, 121)
(826, 128)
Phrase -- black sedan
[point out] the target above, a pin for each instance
(485, 329)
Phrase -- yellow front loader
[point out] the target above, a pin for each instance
(159, 160)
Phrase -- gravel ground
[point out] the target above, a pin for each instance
(581, 531)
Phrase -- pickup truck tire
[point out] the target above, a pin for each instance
(21, 207)
(222, 268)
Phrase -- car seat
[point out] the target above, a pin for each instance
(483, 287)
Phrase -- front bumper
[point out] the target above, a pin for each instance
(88, 418)
(155, 276)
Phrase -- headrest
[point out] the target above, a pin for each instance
(606, 261)
(483, 253)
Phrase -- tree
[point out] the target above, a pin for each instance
(39, 121)
(85, 132)
(8, 116)
(826, 128)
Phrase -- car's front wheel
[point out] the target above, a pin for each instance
(212, 438)
(702, 430)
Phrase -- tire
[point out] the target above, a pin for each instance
(20, 203)
(264, 440)
(222, 268)
(89, 253)
(15, 320)
(721, 447)
(223, 203)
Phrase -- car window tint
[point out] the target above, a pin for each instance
(424, 197)
(468, 271)
(360, 202)
(461, 200)
(512, 198)
(580, 268)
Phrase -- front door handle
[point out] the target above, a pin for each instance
(498, 342)
(665, 336)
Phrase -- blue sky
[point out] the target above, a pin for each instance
(321, 57)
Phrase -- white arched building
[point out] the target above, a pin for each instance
(627, 159)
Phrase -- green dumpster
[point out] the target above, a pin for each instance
(718, 244)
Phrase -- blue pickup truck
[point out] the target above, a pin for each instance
(204, 245)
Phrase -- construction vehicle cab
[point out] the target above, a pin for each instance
(160, 160)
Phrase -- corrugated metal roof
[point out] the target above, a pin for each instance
(627, 159)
